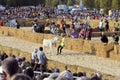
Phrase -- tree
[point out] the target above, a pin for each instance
(3, 2)
(97, 4)
(54, 3)
(105, 4)
(11, 2)
(115, 4)
(89, 3)
(47, 2)
(69, 2)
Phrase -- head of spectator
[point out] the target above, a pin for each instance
(99, 75)
(42, 77)
(34, 54)
(29, 71)
(56, 70)
(9, 67)
(74, 74)
(66, 75)
(96, 76)
(19, 61)
(84, 78)
(80, 74)
(20, 77)
(41, 48)
(52, 76)
(3, 56)
(23, 58)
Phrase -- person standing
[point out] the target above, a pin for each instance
(101, 25)
(42, 57)
(17, 24)
(116, 25)
(34, 54)
(104, 38)
(106, 25)
(62, 45)
(115, 37)
(88, 33)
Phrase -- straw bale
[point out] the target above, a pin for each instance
(15, 52)
(68, 47)
(54, 64)
(88, 47)
(109, 47)
(96, 34)
(5, 31)
(51, 64)
(27, 35)
(102, 54)
(8, 50)
(74, 42)
(37, 37)
(5, 49)
(40, 38)
(21, 22)
(81, 42)
(28, 23)
(1, 30)
(20, 34)
(26, 55)
(76, 48)
(116, 49)
(113, 55)
(16, 33)
(72, 68)
(87, 70)
(12, 31)
(48, 36)
(33, 37)
(1, 48)
(99, 46)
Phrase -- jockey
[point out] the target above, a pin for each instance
(62, 45)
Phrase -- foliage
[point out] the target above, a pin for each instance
(21, 2)
(106, 4)
(115, 4)
(97, 4)
(69, 2)
(89, 3)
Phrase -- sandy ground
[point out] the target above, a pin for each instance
(68, 57)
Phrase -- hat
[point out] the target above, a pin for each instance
(48, 79)
(53, 75)
(83, 78)
(56, 70)
(66, 75)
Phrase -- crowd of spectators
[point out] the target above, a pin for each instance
(75, 29)
(16, 68)
(49, 12)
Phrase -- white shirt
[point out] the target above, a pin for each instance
(42, 58)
